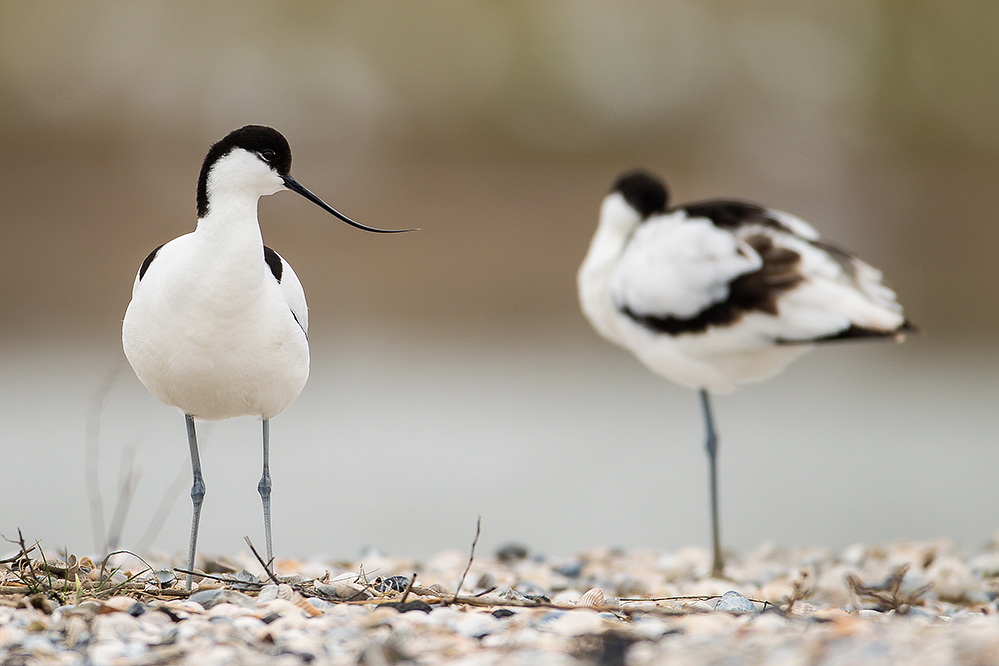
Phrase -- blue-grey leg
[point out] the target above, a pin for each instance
(197, 494)
(711, 444)
(264, 488)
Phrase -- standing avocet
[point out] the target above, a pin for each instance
(217, 323)
(719, 293)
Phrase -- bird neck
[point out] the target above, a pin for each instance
(229, 236)
(605, 248)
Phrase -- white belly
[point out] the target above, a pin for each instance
(215, 350)
(214, 370)
(718, 359)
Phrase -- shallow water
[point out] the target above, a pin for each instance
(559, 441)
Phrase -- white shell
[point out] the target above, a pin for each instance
(592, 598)
(285, 591)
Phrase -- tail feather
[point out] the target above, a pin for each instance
(854, 332)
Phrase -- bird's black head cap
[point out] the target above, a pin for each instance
(643, 191)
(266, 142)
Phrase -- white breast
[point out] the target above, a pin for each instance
(210, 331)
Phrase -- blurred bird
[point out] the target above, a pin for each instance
(217, 325)
(715, 294)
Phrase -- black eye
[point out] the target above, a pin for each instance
(267, 154)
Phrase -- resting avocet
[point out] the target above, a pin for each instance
(715, 294)
(217, 323)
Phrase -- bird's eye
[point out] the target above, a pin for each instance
(267, 154)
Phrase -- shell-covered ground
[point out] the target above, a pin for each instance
(922, 603)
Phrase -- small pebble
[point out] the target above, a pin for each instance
(392, 584)
(510, 553)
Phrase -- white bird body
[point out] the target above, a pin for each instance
(211, 331)
(716, 294)
(213, 328)
(217, 325)
(662, 286)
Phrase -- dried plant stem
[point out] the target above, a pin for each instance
(409, 588)
(265, 565)
(475, 542)
(92, 457)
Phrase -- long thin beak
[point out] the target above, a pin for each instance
(295, 186)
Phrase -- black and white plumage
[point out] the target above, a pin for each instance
(217, 325)
(716, 294)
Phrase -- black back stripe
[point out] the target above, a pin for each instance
(719, 314)
(732, 215)
(148, 260)
(274, 261)
(853, 332)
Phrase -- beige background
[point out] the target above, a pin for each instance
(453, 375)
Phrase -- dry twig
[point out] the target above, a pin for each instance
(799, 592)
(475, 542)
(265, 565)
(92, 458)
(888, 594)
(409, 588)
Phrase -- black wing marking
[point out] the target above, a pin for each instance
(274, 262)
(147, 261)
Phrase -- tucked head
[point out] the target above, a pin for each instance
(635, 197)
(643, 191)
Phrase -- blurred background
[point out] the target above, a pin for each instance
(453, 375)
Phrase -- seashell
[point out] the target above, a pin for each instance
(438, 590)
(735, 603)
(184, 606)
(267, 593)
(210, 598)
(54, 566)
(345, 590)
(285, 591)
(513, 595)
(802, 608)
(118, 605)
(164, 577)
(592, 598)
(293, 579)
(350, 576)
(112, 576)
(245, 576)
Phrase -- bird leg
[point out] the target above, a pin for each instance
(711, 444)
(264, 488)
(197, 494)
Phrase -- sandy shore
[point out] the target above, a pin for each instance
(922, 603)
